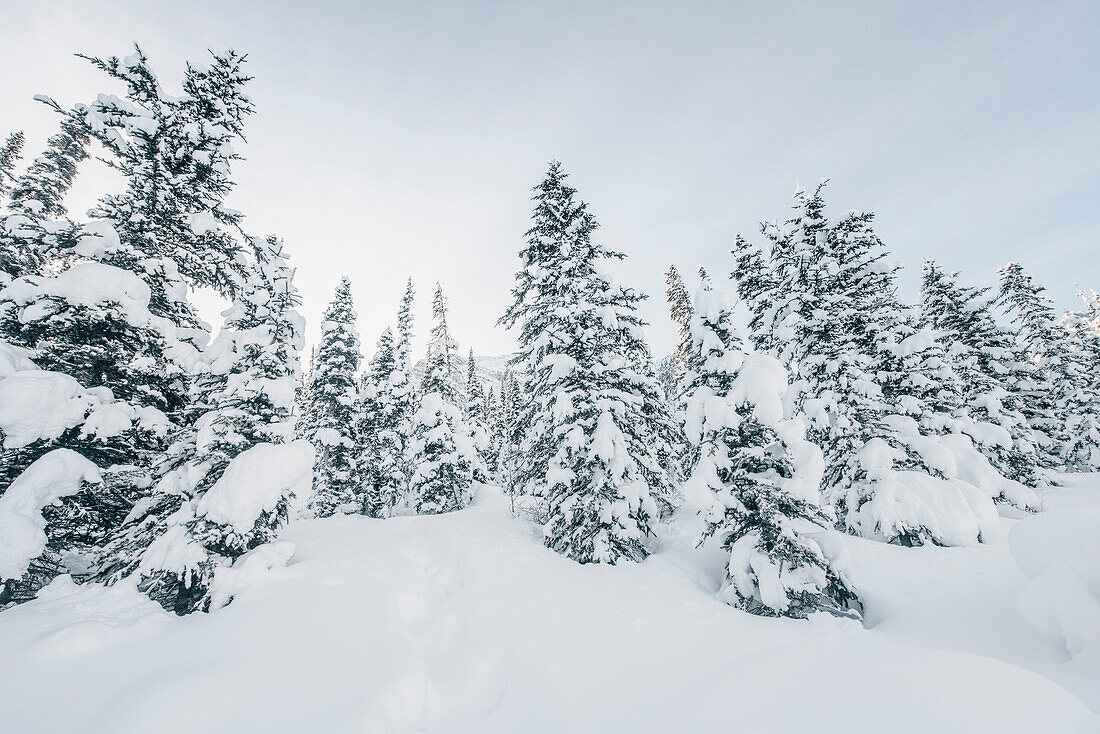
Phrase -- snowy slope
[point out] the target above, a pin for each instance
(464, 622)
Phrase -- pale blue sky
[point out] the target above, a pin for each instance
(402, 139)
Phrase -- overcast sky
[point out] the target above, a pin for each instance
(403, 139)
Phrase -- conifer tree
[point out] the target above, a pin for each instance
(329, 421)
(29, 234)
(174, 542)
(114, 315)
(175, 152)
(9, 156)
(403, 387)
(477, 419)
(754, 475)
(680, 310)
(379, 426)
(441, 455)
(1079, 398)
(876, 388)
(594, 416)
(494, 429)
(994, 372)
(39, 192)
(1064, 403)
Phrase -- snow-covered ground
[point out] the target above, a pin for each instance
(465, 622)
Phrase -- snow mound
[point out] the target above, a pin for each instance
(253, 566)
(255, 481)
(1059, 552)
(56, 475)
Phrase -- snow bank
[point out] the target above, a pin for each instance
(22, 538)
(1059, 552)
(255, 481)
(465, 622)
(252, 567)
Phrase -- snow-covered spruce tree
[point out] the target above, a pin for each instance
(116, 317)
(1026, 301)
(9, 157)
(477, 419)
(494, 428)
(30, 231)
(379, 423)
(1079, 398)
(442, 456)
(994, 372)
(176, 152)
(877, 389)
(1060, 405)
(102, 360)
(680, 310)
(227, 480)
(330, 414)
(508, 435)
(754, 476)
(595, 419)
(404, 391)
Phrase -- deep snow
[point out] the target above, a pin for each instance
(465, 622)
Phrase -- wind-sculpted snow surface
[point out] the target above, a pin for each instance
(1059, 552)
(465, 622)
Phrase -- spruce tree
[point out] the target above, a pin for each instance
(378, 429)
(1033, 315)
(9, 157)
(29, 233)
(1079, 398)
(39, 192)
(594, 418)
(404, 389)
(754, 476)
(877, 389)
(680, 310)
(329, 421)
(176, 153)
(995, 373)
(441, 455)
(113, 313)
(244, 397)
(477, 419)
